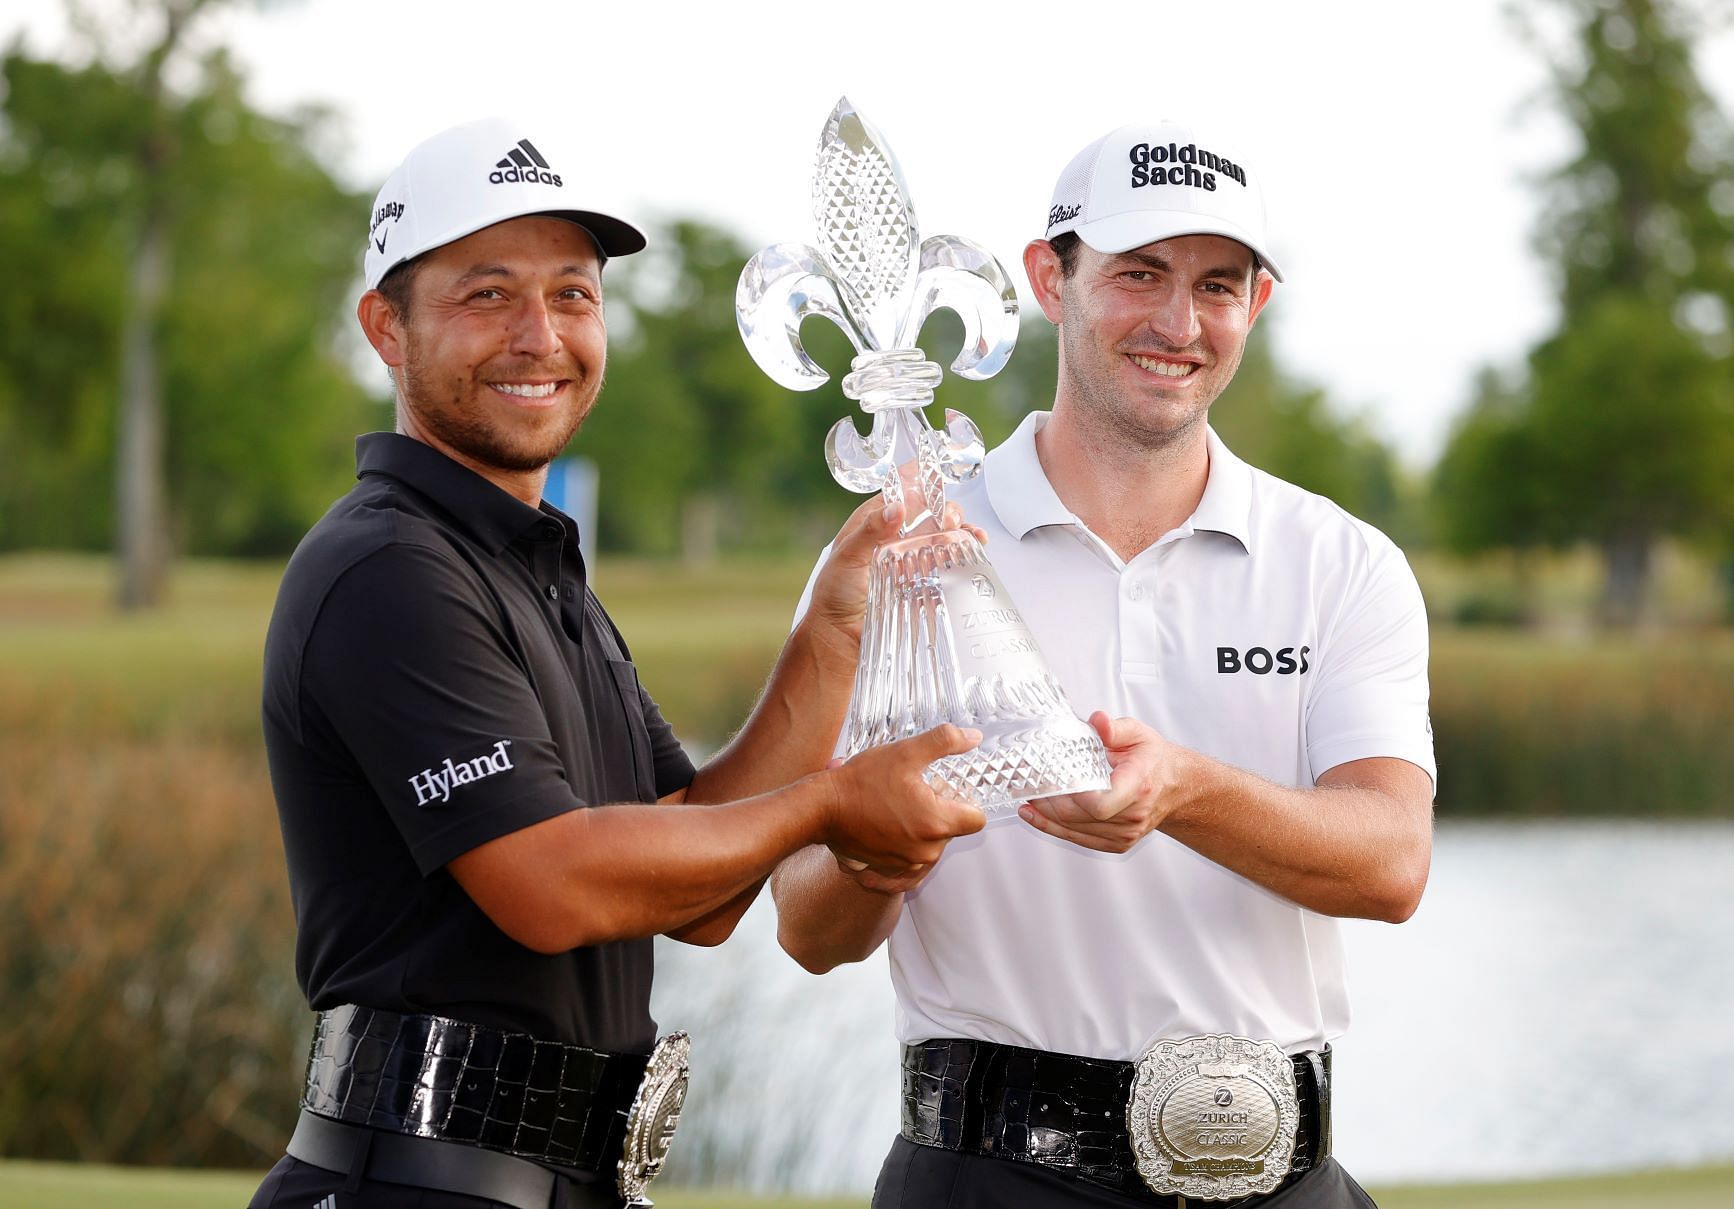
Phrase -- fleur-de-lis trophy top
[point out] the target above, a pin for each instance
(941, 641)
(875, 277)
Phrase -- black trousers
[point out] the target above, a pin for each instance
(925, 1177)
(292, 1184)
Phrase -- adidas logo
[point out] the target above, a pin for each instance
(524, 163)
(330, 1202)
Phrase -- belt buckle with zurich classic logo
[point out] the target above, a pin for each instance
(1213, 1117)
(651, 1121)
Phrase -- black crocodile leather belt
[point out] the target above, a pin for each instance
(1065, 1112)
(431, 1077)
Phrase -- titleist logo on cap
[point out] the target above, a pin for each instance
(1188, 165)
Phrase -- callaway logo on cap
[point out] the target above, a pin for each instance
(1140, 184)
(474, 176)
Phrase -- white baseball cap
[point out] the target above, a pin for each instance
(1139, 184)
(476, 175)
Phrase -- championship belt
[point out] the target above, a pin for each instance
(651, 1121)
(1213, 1117)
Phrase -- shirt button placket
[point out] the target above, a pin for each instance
(1139, 644)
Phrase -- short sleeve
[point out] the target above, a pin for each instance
(408, 668)
(1370, 698)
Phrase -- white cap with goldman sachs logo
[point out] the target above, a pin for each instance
(1140, 184)
(476, 175)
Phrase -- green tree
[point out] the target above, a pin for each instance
(696, 445)
(1289, 428)
(1487, 485)
(1619, 433)
(257, 262)
(1631, 415)
(141, 513)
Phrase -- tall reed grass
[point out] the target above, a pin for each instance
(1640, 727)
(149, 1010)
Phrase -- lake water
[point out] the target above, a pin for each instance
(1562, 1002)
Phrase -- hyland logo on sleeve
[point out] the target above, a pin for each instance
(1168, 164)
(436, 784)
(524, 163)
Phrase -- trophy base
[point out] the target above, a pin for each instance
(1036, 763)
(943, 642)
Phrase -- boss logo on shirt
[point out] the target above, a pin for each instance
(1258, 660)
(436, 784)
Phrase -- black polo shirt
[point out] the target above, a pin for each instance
(437, 675)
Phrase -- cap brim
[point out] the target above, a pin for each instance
(1135, 228)
(612, 236)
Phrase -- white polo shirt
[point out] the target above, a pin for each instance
(1272, 631)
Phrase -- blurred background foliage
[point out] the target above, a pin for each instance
(1573, 540)
(262, 406)
(1617, 433)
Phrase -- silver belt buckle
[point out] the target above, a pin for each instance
(651, 1121)
(1213, 1117)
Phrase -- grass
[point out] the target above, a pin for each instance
(704, 638)
(1553, 726)
(25, 1185)
(1700, 1188)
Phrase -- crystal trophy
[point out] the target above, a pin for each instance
(943, 641)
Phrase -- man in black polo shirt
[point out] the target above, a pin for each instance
(485, 815)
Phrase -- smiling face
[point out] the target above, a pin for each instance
(500, 353)
(1150, 337)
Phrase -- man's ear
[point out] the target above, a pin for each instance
(1047, 277)
(382, 326)
(1262, 286)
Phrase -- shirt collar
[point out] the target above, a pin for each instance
(491, 516)
(1018, 487)
(1227, 503)
(1025, 500)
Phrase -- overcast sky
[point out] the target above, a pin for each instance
(1399, 142)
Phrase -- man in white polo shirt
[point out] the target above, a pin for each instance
(1128, 997)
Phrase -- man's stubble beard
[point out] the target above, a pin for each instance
(1117, 422)
(473, 437)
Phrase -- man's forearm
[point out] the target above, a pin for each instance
(590, 876)
(587, 876)
(824, 919)
(1357, 845)
(793, 729)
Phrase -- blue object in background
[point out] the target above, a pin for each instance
(571, 488)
